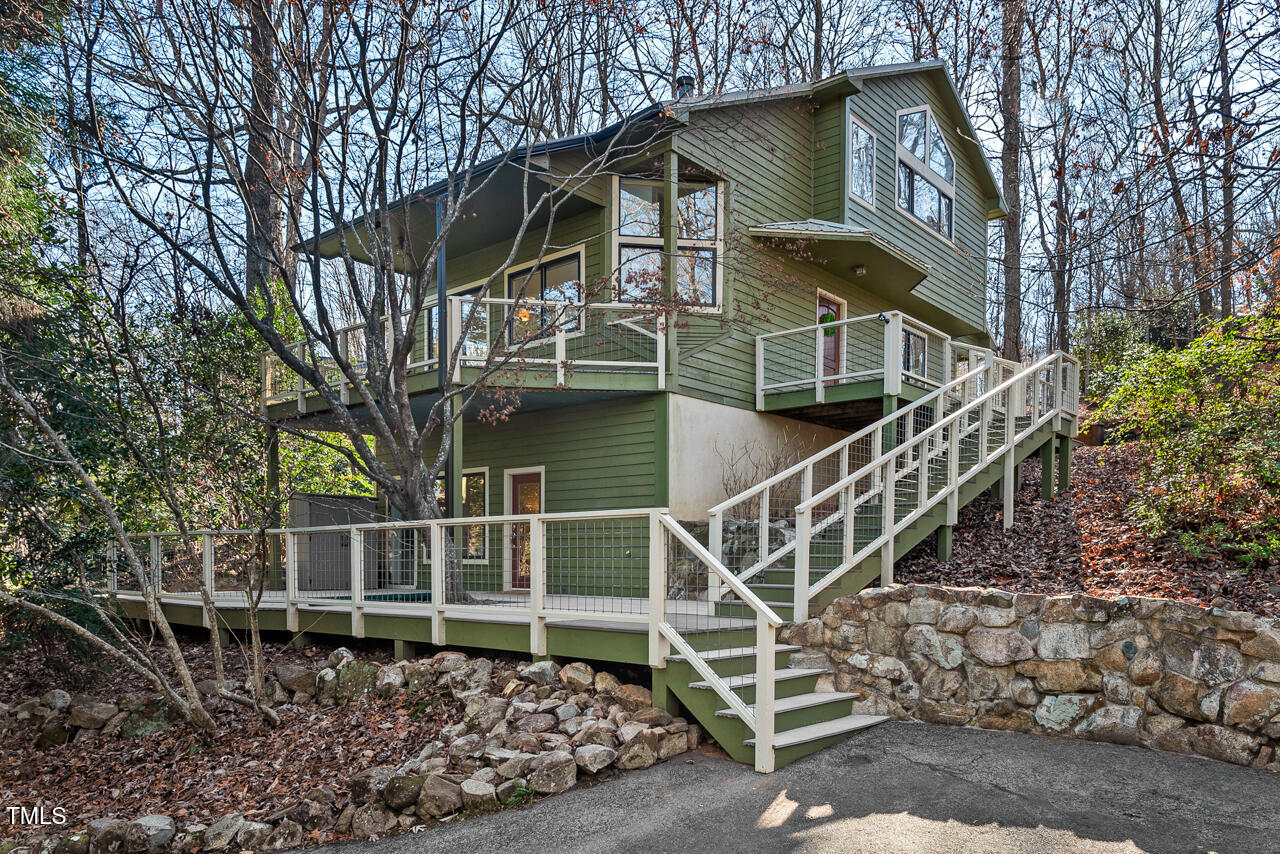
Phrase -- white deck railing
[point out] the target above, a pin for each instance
(751, 531)
(628, 570)
(839, 526)
(889, 347)
(554, 338)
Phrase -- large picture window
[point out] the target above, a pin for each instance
(862, 163)
(926, 172)
(641, 268)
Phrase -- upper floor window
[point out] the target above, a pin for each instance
(558, 280)
(926, 171)
(641, 271)
(862, 162)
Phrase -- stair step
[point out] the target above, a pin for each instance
(826, 729)
(735, 652)
(750, 678)
(799, 701)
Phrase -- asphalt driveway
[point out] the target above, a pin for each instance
(900, 787)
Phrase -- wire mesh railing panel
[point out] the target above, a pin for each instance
(597, 566)
(126, 579)
(322, 565)
(181, 570)
(487, 564)
(546, 336)
(788, 361)
(863, 348)
(709, 616)
(396, 564)
(246, 562)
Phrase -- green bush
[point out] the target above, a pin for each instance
(1206, 419)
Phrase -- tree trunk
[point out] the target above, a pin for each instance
(1013, 20)
(1226, 256)
(262, 167)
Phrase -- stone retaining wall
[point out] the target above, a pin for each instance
(1132, 670)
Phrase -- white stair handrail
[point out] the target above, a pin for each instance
(884, 470)
(761, 489)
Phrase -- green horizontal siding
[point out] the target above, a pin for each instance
(957, 283)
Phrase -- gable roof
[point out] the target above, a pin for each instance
(850, 82)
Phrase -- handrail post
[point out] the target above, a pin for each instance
(848, 494)
(659, 646)
(660, 325)
(760, 373)
(819, 363)
(715, 545)
(437, 583)
(357, 582)
(1009, 466)
(207, 561)
(953, 472)
(291, 580)
(561, 356)
(157, 583)
(764, 714)
(537, 586)
(893, 355)
(889, 519)
(800, 595)
(762, 521)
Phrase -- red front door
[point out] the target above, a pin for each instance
(526, 497)
(829, 310)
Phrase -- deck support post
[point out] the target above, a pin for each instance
(944, 542)
(1006, 484)
(1046, 471)
(224, 638)
(671, 252)
(889, 519)
(300, 640)
(403, 650)
(1064, 463)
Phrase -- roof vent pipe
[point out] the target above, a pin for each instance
(684, 86)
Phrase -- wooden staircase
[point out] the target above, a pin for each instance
(759, 699)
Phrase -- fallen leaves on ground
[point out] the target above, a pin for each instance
(1085, 541)
(246, 765)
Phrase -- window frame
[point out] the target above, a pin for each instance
(714, 245)
(848, 164)
(921, 168)
(549, 259)
(907, 334)
(484, 557)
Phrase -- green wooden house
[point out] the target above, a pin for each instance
(815, 396)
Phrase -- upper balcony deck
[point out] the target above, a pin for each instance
(523, 345)
(821, 368)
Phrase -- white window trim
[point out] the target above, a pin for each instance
(618, 238)
(924, 170)
(580, 250)
(484, 470)
(848, 156)
(541, 472)
(925, 352)
(425, 560)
